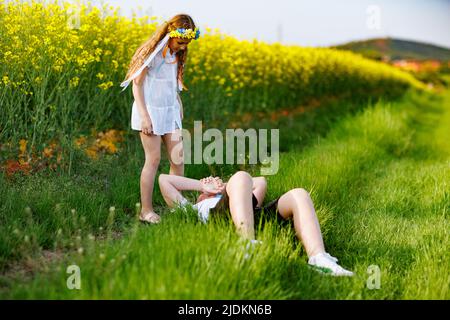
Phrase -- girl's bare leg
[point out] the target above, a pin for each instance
(152, 149)
(259, 189)
(297, 203)
(239, 190)
(174, 146)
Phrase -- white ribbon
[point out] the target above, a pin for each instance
(160, 45)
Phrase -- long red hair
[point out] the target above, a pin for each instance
(142, 53)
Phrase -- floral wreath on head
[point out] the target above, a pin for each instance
(185, 33)
(162, 45)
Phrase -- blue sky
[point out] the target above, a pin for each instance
(309, 23)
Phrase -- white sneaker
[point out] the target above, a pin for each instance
(325, 263)
(331, 257)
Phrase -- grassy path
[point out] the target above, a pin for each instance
(383, 189)
(380, 180)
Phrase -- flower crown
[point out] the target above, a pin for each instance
(185, 33)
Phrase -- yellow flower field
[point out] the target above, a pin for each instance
(61, 66)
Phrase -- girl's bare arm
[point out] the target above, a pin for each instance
(138, 93)
(171, 186)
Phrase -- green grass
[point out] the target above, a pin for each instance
(379, 177)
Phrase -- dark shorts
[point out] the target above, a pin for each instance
(266, 212)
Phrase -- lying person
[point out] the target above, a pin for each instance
(243, 197)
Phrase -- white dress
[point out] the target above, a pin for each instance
(160, 94)
(203, 207)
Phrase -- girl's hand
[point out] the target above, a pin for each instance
(146, 125)
(212, 185)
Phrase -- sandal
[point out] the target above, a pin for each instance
(150, 217)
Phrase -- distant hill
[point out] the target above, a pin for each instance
(395, 49)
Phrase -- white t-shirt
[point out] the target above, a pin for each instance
(204, 206)
(160, 95)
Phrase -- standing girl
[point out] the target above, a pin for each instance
(156, 70)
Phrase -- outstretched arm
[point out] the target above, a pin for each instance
(171, 185)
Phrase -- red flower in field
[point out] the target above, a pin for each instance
(13, 166)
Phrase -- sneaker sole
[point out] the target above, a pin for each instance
(322, 270)
(329, 272)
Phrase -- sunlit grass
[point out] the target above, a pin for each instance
(61, 66)
(378, 172)
(380, 186)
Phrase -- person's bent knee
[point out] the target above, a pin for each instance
(262, 181)
(162, 178)
(300, 192)
(240, 177)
